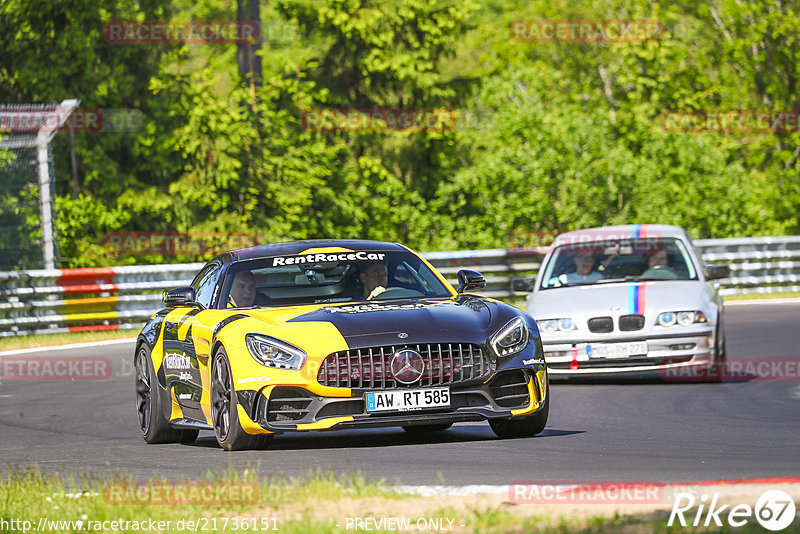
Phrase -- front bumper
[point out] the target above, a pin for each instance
(507, 393)
(665, 356)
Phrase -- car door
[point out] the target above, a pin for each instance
(183, 365)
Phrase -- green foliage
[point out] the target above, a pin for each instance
(81, 227)
(550, 136)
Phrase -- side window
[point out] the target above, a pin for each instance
(204, 284)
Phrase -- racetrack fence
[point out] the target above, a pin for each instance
(117, 298)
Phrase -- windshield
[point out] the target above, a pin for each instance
(321, 278)
(618, 260)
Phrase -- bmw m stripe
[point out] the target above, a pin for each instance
(639, 231)
(636, 298)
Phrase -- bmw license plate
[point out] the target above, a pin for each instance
(408, 399)
(616, 350)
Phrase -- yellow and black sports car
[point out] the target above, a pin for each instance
(327, 335)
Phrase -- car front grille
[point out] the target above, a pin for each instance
(445, 363)
(629, 323)
(601, 325)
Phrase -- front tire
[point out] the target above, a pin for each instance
(523, 427)
(152, 423)
(224, 409)
(720, 366)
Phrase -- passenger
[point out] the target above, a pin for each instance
(375, 278)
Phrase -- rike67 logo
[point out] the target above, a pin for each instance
(774, 510)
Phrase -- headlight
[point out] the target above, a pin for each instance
(683, 318)
(566, 325)
(274, 353)
(554, 325)
(666, 319)
(511, 338)
(547, 325)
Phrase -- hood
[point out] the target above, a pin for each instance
(645, 298)
(459, 319)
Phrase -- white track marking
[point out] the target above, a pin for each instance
(429, 491)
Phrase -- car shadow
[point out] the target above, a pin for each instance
(382, 438)
(642, 381)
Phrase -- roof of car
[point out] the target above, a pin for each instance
(624, 231)
(291, 248)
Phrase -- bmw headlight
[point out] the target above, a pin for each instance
(566, 325)
(274, 353)
(547, 325)
(683, 318)
(512, 338)
(554, 325)
(666, 319)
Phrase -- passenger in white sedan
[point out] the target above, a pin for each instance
(584, 269)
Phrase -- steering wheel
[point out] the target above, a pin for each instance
(397, 292)
(662, 271)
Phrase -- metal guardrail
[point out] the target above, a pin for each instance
(116, 298)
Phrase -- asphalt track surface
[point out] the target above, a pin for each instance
(666, 432)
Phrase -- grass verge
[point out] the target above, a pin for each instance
(321, 502)
(51, 340)
(764, 296)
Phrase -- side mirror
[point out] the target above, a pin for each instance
(715, 272)
(469, 280)
(522, 284)
(178, 297)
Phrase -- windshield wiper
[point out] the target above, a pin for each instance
(610, 280)
(647, 279)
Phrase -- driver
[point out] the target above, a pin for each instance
(243, 290)
(375, 278)
(658, 265)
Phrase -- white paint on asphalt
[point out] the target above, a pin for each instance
(430, 491)
(66, 347)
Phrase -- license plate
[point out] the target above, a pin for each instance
(616, 350)
(408, 399)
